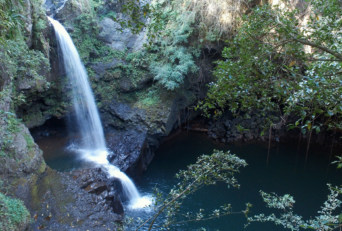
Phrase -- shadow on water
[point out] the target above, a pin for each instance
(54, 138)
(58, 156)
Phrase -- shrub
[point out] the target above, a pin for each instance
(13, 214)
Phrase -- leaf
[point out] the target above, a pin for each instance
(340, 218)
(309, 125)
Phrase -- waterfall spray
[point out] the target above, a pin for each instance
(93, 145)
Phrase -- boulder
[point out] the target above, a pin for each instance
(59, 201)
(106, 191)
(130, 150)
(117, 38)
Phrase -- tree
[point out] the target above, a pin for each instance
(222, 167)
(327, 219)
(208, 170)
(280, 66)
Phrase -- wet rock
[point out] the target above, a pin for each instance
(105, 191)
(126, 113)
(58, 202)
(54, 6)
(130, 150)
(23, 157)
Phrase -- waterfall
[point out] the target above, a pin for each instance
(93, 145)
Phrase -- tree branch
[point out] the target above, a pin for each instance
(324, 60)
(306, 42)
(166, 205)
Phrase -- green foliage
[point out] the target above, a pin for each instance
(9, 127)
(90, 48)
(28, 63)
(328, 217)
(84, 36)
(267, 69)
(11, 19)
(29, 141)
(173, 33)
(136, 14)
(169, 34)
(172, 72)
(151, 98)
(179, 29)
(338, 162)
(22, 66)
(13, 214)
(208, 170)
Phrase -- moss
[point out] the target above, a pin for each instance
(51, 181)
(33, 117)
(34, 193)
(148, 98)
(13, 214)
(9, 126)
(42, 167)
(29, 141)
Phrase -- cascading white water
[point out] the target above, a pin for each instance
(93, 145)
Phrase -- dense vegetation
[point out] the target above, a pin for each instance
(178, 34)
(208, 170)
(283, 66)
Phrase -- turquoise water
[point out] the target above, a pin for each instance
(285, 173)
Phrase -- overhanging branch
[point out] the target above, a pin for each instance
(306, 42)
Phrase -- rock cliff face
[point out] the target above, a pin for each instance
(136, 114)
(111, 34)
(31, 92)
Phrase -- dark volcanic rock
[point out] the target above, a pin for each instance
(106, 191)
(54, 6)
(134, 133)
(130, 150)
(126, 113)
(236, 129)
(81, 200)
